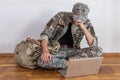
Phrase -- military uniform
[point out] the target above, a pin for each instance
(55, 29)
(63, 38)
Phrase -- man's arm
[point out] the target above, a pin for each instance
(45, 52)
(45, 35)
(48, 33)
(90, 35)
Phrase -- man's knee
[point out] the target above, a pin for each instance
(90, 52)
(99, 51)
(54, 63)
(96, 51)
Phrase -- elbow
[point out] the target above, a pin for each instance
(93, 42)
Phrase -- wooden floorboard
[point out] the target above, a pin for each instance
(9, 70)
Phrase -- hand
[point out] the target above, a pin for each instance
(80, 24)
(46, 57)
(77, 23)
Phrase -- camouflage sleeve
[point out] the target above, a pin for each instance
(50, 27)
(91, 30)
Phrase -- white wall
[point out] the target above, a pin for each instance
(20, 19)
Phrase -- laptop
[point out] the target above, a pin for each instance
(81, 67)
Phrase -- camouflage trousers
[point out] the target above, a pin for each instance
(59, 60)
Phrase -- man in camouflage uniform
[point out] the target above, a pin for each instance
(68, 29)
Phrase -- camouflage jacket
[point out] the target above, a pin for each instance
(58, 25)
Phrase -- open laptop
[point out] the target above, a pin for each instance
(80, 67)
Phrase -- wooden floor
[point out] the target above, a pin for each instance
(9, 70)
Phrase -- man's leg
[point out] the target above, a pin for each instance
(89, 52)
(57, 61)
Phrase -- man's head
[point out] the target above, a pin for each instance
(80, 12)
